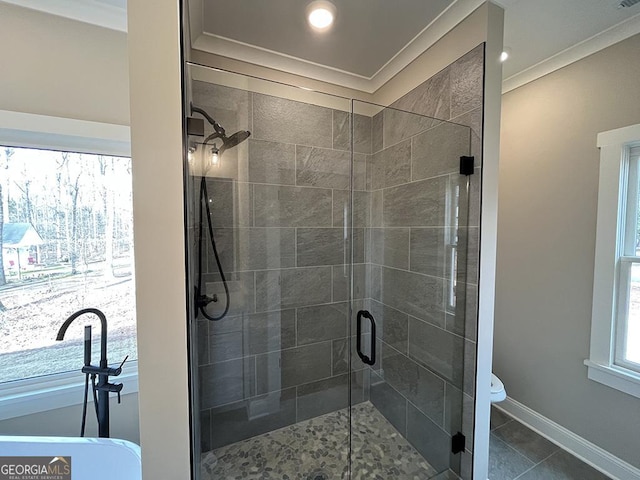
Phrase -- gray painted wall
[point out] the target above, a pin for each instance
(546, 238)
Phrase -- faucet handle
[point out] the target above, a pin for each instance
(118, 370)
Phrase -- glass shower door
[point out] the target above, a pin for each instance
(327, 259)
(268, 193)
(411, 205)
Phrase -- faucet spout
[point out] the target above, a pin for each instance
(103, 332)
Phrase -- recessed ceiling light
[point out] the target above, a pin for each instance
(506, 53)
(320, 15)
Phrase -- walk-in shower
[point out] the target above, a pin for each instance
(332, 256)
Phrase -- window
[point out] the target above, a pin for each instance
(615, 330)
(66, 244)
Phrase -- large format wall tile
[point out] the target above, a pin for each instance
(421, 387)
(292, 206)
(459, 414)
(360, 171)
(294, 287)
(225, 241)
(233, 337)
(392, 324)
(230, 107)
(227, 382)
(473, 119)
(438, 150)
(288, 121)
(322, 322)
(231, 203)
(390, 247)
(431, 99)
(342, 132)
(389, 167)
(324, 396)
(465, 319)
(272, 162)
(400, 125)
(322, 167)
(294, 366)
(203, 342)
(320, 246)
(467, 82)
(389, 402)
(471, 237)
(342, 206)
(363, 282)
(248, 418)
(205, 430)
(377, 129)
(341, 349)
(417, 204)
(241, 293)
(437, 349)
(263, 248)
(429, 439)
(430, 248)
(415, 294)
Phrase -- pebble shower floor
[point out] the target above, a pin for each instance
(317, 449)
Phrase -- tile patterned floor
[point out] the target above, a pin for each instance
(317, 449)
(516, 452)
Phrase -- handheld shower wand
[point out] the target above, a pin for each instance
(201, 299)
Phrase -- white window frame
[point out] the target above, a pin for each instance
(602, 364)
(24, 130)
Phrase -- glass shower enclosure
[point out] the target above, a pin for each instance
(327, 248)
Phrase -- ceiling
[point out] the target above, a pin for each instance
(365, 36)
(374, 39)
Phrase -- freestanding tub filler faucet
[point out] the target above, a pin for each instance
(103, 387)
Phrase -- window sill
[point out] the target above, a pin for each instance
(34, 395)
(615, 377)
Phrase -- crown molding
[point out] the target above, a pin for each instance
(229, 48)
(263, 57)
(438, 28)
(92, 12)
(600, 41)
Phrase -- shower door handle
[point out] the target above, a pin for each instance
(363, 357)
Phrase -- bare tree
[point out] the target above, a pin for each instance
(107, 171)
(4, 214)
(74, 191)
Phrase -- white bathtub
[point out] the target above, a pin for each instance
(91, 458)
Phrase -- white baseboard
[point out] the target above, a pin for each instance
(586, 451)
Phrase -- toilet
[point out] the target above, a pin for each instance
(498, 393)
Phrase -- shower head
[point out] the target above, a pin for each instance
(235, 139)
(219, 132)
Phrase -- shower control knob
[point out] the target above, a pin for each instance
(215, 298)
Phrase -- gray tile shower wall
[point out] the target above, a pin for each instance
(279, 207)
(423, 382)
(280, 203)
